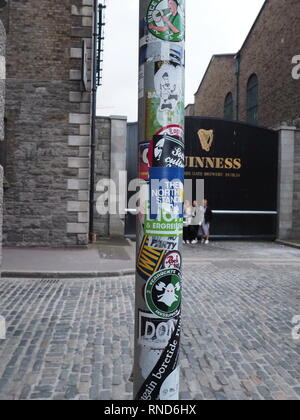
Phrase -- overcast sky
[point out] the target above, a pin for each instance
(213, 27)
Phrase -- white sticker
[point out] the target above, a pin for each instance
(154, 336)
(170, 388)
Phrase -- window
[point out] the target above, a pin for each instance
(228, 107)
(252, 99)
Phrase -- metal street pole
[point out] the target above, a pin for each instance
(160, 218)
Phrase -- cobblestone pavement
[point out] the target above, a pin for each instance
(72, 339)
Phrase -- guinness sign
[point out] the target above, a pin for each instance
(213, 163)
(239, 164)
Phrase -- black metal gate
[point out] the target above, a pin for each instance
(239, 165)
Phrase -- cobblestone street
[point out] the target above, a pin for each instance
(72, 339)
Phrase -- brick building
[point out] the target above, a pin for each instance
(260, 84)
(48, 122)
(256, 84)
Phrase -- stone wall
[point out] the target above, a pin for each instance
(286, 181)
(289, 182)
(296, 205)
(110, 160)
(48, 123)
(2, 104)
(102, 169)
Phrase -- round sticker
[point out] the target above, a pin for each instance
(163, 293)
(165, 19)
(172, 260)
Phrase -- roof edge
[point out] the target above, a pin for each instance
(211, 60)
(239, 51)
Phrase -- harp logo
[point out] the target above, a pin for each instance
(206, 138)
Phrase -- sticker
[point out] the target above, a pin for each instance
(165, 19)
(144, 161)
(158, 51)
(169, 243)
(166, 150)
(166, 83)
(149, 259)
(170, 388)
(172, 130)
(154, 336)
(165, 216)
(156, 385)
(163, 293)
(172, 260)
(165, 104)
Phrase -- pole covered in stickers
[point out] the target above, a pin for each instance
(160, 213)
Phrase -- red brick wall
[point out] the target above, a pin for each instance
(217, 83)
(268, 52)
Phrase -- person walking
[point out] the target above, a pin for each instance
(208, 216)
(198, 219)
(187, 221)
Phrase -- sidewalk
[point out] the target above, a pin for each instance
(294, 243)
(115, 257)
(109, 257)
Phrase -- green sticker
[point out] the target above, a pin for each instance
(163, 293)
(165, 19)
(159, 116)
(163, 227)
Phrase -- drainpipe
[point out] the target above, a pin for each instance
(237, 77)
(93, 123)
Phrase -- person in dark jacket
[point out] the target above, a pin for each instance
(208, 216)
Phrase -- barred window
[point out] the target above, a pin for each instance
(252, 99)
(228, 107)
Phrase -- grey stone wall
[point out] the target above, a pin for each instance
(286, 181)
(296, 204)
(289, 182)
(2, 77)
(102, 169)
(48, 123)
(110, 160)
(2, 105)
(37, 164)
(117, 165)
